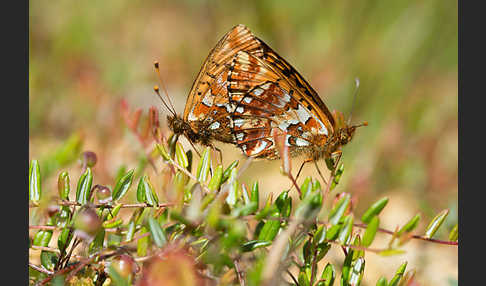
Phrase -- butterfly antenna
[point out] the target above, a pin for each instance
(157, 70)
(356, 81)
(156, 89)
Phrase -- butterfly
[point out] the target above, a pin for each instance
(245, 92)
(269, 96)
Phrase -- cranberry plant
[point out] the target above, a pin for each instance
(208, 227)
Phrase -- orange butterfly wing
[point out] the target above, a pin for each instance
(271, 96)
(208, 106)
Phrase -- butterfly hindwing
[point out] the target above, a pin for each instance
(269, 106)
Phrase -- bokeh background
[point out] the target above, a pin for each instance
(86, 56)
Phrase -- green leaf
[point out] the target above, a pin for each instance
(97, 242)
(435, 223)
(391, 252)
(370, 231)
(84, 187)
(117, 279)
(48, 259)
(255, 196)
(398, 275)
(410, 225)
(64, 238)
(157, 232)
(233, 193)
(254, 244)
(42, 238)
(337, 176)
(454, 234)
(34, 181)
(284, 204)
(146, 192)
(357, 271)
(346, 269)
(303, 279)
(381, 282)
(142, 243)
(181, 157)
(306, 187)
(333, 231)
(63, 186)
(112, 223)
(215, 181)
(227, 172)
(328, 275)
(374, 210)
(163, 152)
(346, 230)
(114, 212)
(204, 165)
(130, 231)
(122, 185)
(338, 210)
(269, 230)
(319, 235)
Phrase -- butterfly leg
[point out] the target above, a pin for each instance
(220, 153)
(319, 171)
(301, 167)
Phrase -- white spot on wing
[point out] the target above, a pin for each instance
(214, 125)
(208, 100)
(260, 147)
(238, 122)
(301, 142)
(258, 91)
(240, 136)
(303, 114)
(247, 99)
(240, 109)
(191, 116)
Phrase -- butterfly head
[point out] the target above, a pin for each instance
(345, 134)
(181, 127)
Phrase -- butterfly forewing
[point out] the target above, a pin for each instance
(208, 104)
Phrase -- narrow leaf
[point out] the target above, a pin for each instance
(215, 181)
(163, 152)
(454, 234)
(157, 232)
(227, 171)
(269, 230)
(410, 225)
(63, 186)
(254, 244)
(233, 189)
(374, 210)
(181, 157)
(328, 275)
(436, 223)
(84, 187)
(398, 275)
(338, 210)
(122, 185)
(204, 165)
(34, 181)
(381, 282)
(370, 231)
(346, 230)
(142, 243)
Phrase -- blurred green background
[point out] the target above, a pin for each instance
(86, 56)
